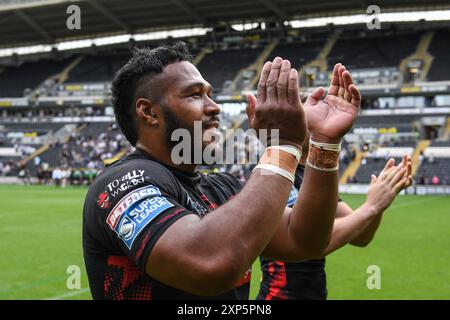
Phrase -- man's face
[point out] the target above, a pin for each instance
(186, 99)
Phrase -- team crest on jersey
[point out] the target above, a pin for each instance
(135, 211)
(103, 200)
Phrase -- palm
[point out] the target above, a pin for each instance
(333, 116)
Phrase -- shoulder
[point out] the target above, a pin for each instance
(129, 174)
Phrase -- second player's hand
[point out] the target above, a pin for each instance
(384, 188)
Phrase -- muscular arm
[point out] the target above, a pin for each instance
(208, 255)
(305, 230)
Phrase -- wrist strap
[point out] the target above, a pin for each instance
(289, 149)
(277, 170)
(322, 169)
(323, 156)
(326, 146)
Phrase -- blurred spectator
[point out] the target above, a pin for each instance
(57, 176)
(421, 157)
(37, 161)
(435, 180)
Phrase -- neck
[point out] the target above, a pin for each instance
(163, 155)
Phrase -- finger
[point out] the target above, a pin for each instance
(293, 91)
(283, 80)
(341, 90)
(400, 185)
(410, 180)
(404, 161)
(409, 165)
(334, 85)
(389, 164)
(262, 81)
(408, 169)
(347, 82)
(315, 96)
(400, 175)
(251, 107)
(373, 179)
(356, 96)
(271, 82)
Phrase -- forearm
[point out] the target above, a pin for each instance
(356, 228)
(368, 233)
(223, 244)
(313, 214)
(247, 222)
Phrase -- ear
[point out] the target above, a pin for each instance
(147, 111)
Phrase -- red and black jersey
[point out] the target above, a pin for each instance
(127, 208)
(293, 281)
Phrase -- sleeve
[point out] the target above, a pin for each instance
(144, 213)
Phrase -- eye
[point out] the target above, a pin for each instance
(195, 95)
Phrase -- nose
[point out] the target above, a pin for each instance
(211, 107)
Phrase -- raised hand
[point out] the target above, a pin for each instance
(392, 179)
(331, 118)
(278, 105)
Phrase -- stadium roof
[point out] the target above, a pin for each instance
(33, 21)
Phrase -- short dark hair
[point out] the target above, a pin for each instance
(126, 85)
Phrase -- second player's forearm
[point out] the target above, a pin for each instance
(350, 227)
(313, 214)
(366, 236)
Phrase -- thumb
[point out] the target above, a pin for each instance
(373, 179)
(314, 96)
(251, 106)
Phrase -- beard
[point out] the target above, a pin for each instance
(208, 138)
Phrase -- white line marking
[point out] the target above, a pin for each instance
(68, 294)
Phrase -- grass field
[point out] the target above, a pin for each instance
(41, 237)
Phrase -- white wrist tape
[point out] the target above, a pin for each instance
(326, 146)
(277, 170)
(322, 169)
(289, 149)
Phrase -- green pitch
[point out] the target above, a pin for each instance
(41, 237)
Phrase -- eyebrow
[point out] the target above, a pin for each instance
(193, 85)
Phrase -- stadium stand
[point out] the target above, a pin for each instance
(359, 50)
(298, 53)
(81, 147)
(98, 68)
(220, 66)
(15, 81)
(403, 123)
(434, 165)
(439, 49)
